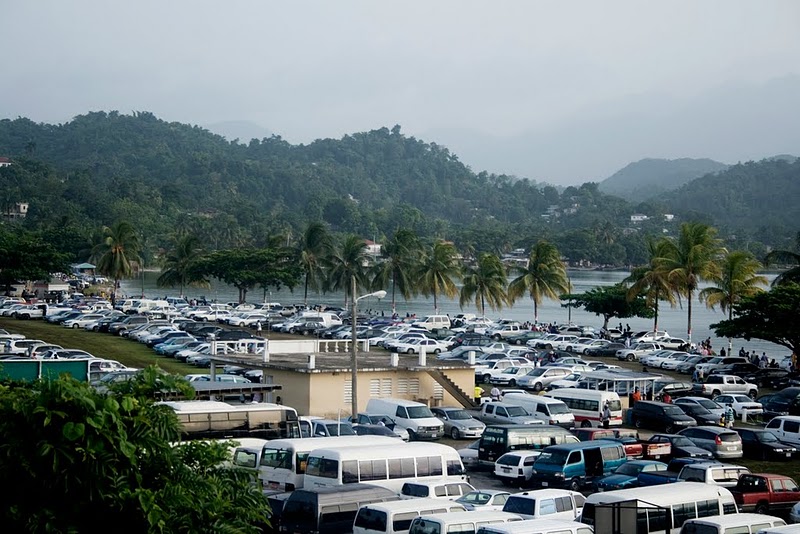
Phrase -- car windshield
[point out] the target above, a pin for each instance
(539, 371)
(516, 411)
(682, 442)
(475, 497)
(673, 410)
(629, 469)
(741, 398)
(459, 415)
(340, 430)
(553, 458)
(559, 408)
(572, 377)
(708, 404)
(419, 412)
(766, 437)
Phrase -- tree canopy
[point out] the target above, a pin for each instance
(612, 301)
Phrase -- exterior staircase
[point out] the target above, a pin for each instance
(451, 387)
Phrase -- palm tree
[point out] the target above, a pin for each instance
(786, 257)
(438, 266)
(400, 256)
(652, 281)
(113, 255)
(737, 278)
(179, 263)
(347, 260)
(315, 247)
(694, 256)
(485, 283)
(544, 276)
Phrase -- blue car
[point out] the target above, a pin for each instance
(627, 475)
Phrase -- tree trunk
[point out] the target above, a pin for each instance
(689, 326)
(305, 292)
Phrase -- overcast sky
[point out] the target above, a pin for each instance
(559, 91)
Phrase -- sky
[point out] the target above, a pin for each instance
(557, 91)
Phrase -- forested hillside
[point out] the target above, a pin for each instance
(650, 178)
(163, 177)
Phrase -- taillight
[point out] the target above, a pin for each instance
(718, 440)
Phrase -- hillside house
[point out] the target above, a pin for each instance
(638, 217)
(5, 162)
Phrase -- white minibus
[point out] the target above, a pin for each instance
(283, 461)
(732, 524)
(656, 509)
(538, 526)
(461, 522)
(395, 517)
(587, 405)
(389, 466)
(551, 411)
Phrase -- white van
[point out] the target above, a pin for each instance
(395, 517)
(433, 322)
(786, 529)
(546, 504)
(538, 526)
(587, 405)
(447, 489)
(415, 417)
(787, 428)
(551, 411)
(729, 523)
(458, 522)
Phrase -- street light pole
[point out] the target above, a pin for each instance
(354, 346)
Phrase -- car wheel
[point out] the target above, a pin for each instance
(512, 383)
(585, 352)
(412, 436)
(569, 348)
(496, 337)
(410, 351)
(715, 393)
(437, 351)
(630, 357)
(486, 378)
(669, 428)
(752, 394)
(585, 424)
(637, 423)
(548, 346)
(455, 434)
(517, 342)
(762, 508)
(537, 387)
(75, 326)
(575, 484)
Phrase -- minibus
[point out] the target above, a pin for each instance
(587, 405)
(732, 523)
(461, 522)
(574, 465)
(282, 465)
(395, 517)
(218, 420)
(389, 466)
(497, 440)
(329, 510)
(559, 504)
(551, 411)
(656, 509)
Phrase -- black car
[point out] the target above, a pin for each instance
(764, 445)
(309, 328)
(608, 351)
(522, 338)
(700, 414)
(775, 405)
(682, 447)
(770, 378)
(675, 389)
(736, 369)
(660, 416)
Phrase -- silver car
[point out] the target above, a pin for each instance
(722, 442)
(458, 423)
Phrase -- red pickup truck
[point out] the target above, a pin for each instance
(765, 493)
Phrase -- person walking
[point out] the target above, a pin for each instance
(258, 328)
(495, 393)
(478, 394)
(637, 396)
(606, 417)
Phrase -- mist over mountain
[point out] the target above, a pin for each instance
(650, 178)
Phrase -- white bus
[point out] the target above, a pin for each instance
(587, 405)
(738, 523)
(389, 466)
(461, 522)
(282, 465)
(218, 420)
(538, 526)
(655, 509)
(395, 517)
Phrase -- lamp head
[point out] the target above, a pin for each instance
(379, 294)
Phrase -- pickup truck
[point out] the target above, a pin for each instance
(723, 384)
(656, 478)
(500, 413)
(765, 493)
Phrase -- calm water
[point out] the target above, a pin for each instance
(674, 320)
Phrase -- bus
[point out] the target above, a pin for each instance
(219, 420)
(282, 465)
(587, 405)
(395, 517)
(461, 522)
(389, 466)
(537, 526)
(497, 440)
(655, 509)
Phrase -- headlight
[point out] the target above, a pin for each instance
(559, 475)
(779, 450)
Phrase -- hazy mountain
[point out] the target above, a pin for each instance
(649, 178)
(244, 131)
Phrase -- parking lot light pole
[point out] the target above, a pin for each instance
(354, 347)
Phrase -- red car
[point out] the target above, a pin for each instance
(628, 438)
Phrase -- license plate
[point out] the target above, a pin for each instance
(273, 485)
(544, 484)
(731, 448)
(788, 454)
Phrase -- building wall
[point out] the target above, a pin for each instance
(326, 394)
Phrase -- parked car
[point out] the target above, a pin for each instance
(708, 404)
(608, 351)
(767, 377)
(458, 423)
(660, 416)
(762, 444)
(722, 384)
(469, 455)
(484, 500)
(725, 475)
(627, 475)
(539, 378)
(700, 414)
(787, 428)
(721, 442)
(682, 447)
(765, 493)
(740, 404)
(515, 468)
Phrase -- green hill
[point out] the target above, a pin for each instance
(650, 178)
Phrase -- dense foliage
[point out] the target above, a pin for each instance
(101, 168)
(649, 178)
(83, 461)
